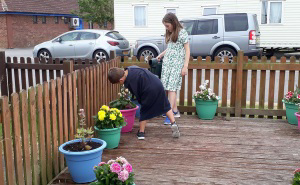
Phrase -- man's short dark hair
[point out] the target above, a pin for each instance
(115, 74)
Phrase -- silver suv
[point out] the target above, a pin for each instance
(212, 35)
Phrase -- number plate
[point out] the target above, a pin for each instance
(125, 52)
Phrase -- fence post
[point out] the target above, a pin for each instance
(68, 67)
(112, 54)
(3, 75)
(239, 84)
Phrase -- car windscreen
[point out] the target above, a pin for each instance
(115, 35)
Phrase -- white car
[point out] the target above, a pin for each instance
(83, 44)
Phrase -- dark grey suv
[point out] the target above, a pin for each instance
(212, 35)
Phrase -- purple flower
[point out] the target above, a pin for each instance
(127, 167)
(123, 175)
(115, 167)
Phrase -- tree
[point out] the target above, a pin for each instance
(96, 11)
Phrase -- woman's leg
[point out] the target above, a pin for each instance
(173, 100)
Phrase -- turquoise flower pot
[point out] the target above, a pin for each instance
(291, 109)
(110, 136)
(206, 109)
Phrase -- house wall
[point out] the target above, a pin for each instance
(21, 32)
(3, 32)
(286, 34)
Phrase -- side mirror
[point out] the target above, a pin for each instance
(58, 40)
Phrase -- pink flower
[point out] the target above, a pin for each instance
(100, 164)
(123, 175)
(290, 93)
(128, 167)
(121, 160)
(297, 170)
(111, 161)
(298, 96)
(115, 167)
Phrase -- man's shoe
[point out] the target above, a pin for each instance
(175, 130)
(141, 135)
(176, 114)
(167, 121)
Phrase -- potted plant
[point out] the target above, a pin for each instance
(83, 153)
(117, 172)
(291, 101)
(127, 107)
(206, 102)
(109, 123)
(296, 179)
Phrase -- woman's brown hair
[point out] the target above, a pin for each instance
(173, 20)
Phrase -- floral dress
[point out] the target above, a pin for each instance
(173, 63)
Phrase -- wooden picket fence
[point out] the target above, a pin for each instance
(234, 102)
(44, 117)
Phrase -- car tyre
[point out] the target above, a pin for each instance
(100, 54)
(225, 51)
(147, 51)
(44, 53)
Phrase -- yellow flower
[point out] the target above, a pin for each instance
(104, 107)
(120, 114)
(101, 115)
(112, 117)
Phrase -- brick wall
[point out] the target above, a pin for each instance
(3, 32)
(28, 34)
(22, 32)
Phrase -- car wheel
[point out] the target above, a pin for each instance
(44, 54)
(226, 51)
(100, 54)
(146, 52)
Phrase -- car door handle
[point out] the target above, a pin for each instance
(91, 43)
(216, 37)
(70, 45)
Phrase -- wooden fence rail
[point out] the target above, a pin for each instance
(44, 117)
(241, 79)
(18, 74)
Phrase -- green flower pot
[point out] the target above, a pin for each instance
(110, 136)
(291, 109)
(206, 109)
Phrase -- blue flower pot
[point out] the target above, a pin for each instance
(81, 164)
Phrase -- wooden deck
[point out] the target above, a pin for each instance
(235, 151)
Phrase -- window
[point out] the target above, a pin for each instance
(35, 19)
(66, 20)
(171, 10)
(87, 36)
(236, 22)
(105, 24)
(271, 12)
(210, 11)
(140, 16)
(44, 19)
(207, 27)
(115, 35)
(56, 20)
(70, 36)
(91, 25)
(188, 26)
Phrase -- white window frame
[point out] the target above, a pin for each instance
(269, 10)
(171, 8)
(204, 7)
(146, 12)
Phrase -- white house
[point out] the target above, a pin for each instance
(279, 19)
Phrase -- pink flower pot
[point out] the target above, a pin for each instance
(298, 117)
(129, 115)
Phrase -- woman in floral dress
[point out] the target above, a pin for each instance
(176, 59)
